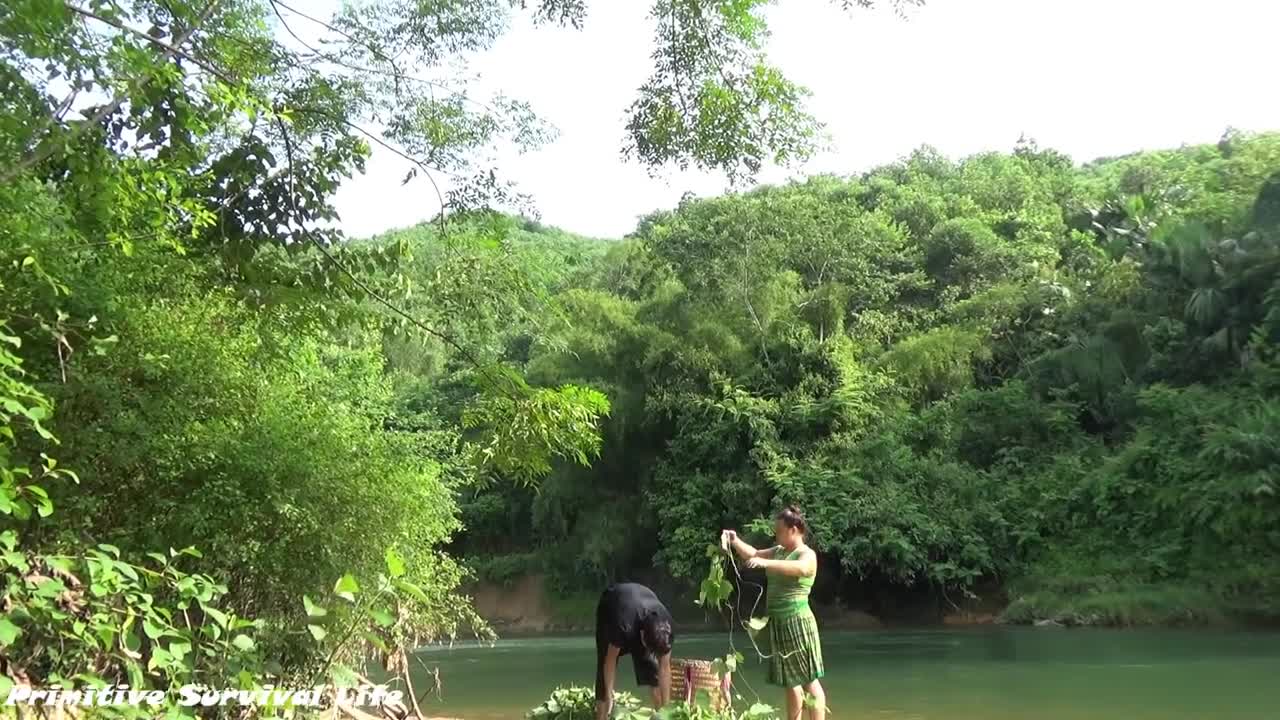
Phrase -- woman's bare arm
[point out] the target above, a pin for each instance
(605, 706)
(804, 566)
(745, 551)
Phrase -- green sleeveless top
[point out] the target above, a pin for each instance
(787, 596)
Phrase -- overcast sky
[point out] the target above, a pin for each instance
(1086, 77)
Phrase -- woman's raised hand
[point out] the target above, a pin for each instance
(726, 539)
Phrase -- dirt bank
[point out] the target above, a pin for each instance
(525, 607)
(517, 608)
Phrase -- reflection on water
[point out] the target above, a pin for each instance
(981, 674)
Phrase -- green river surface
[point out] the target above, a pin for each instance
(972, 674)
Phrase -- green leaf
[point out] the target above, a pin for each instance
(217, 615)
(413, 590)
(395, 564)
(106, 635)
(159, 658)
(127, 570)
(313, 610)
(129, 640)
(317, 632)
(243, 643)
(382, 617)
(705, 592)
(8, 632)
(375, 641)
(16, 560)
(344, 676)
(346, 588)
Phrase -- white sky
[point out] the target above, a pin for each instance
(1086, 77)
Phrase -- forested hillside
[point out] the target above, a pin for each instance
(1004, 373)
(232, 441)
(240, 449)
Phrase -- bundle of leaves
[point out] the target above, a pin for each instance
(579, 703)
(573, 703)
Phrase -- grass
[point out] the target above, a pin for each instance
(1121, 606)
(504, 570)
(576, 609)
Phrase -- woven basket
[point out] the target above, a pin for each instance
(690, 676)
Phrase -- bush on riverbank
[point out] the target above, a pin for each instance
(1110, 605)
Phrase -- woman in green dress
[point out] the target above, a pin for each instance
(795, 655)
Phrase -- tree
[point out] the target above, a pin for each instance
(194, 125)
(1003, 370)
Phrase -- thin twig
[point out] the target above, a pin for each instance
(372, 136)
(375, 51)
(408, 683)
(170, 49)
(66, 105)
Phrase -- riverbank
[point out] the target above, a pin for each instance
(1084, 599)
(526, 608)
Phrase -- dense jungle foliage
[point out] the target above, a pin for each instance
(238, 448)
(232, 443)
(1007, 372)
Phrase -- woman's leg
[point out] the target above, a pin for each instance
(795, 702)
(819, 709)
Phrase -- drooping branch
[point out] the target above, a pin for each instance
(173, 50)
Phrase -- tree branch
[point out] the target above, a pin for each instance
(40, 155)
(375, 51)
(170, 49)
(444, 337)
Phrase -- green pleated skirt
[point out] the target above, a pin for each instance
(795, 651)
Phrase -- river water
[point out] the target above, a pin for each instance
(977, 674)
